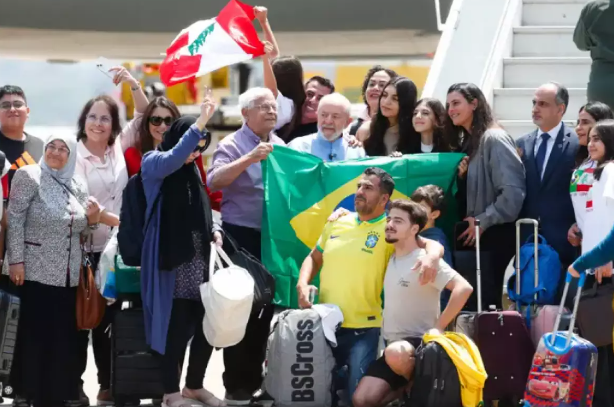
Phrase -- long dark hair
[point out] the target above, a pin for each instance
(288, 72)
(441, 129)
(598, 111)
(375, 69)
(409, 139)
(605, 132)
(482, 118)
(145, 141)
(116, 126)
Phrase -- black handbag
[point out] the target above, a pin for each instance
(264, 282)
(595, 314)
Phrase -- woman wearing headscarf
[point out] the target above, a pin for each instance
(49, 211)
(176, 255)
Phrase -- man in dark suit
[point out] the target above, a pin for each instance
(548, 155)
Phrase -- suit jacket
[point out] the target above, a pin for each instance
(548, 199)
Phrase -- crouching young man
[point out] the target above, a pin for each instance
(410, 309)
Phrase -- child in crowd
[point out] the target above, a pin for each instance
(432, 197)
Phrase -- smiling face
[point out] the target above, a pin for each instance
(375, 86)
(98, 123)
(261, 116)
(158, 122)
(423, 119)
(14, 112)
(460, 109)
(584, 126)
(56, 154)
(389, 103)
(314, 92)
(596, 148)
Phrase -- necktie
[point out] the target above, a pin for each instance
(540, 157)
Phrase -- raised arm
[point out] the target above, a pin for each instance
(261, 14)
(129, 135)
(160, 164)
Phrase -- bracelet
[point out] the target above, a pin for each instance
(94, 226)
(135, 89)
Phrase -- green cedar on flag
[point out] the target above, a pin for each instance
(301, 191)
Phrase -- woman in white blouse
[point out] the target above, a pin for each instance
(101, 163)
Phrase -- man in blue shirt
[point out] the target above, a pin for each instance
(328, 143)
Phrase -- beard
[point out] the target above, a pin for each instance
(391, 240)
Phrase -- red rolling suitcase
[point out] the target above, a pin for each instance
(564, 366)
(504, 342)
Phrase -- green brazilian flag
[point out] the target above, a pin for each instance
(301, 191)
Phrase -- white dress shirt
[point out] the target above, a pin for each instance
(538, 142)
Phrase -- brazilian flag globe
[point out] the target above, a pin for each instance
(301, 192)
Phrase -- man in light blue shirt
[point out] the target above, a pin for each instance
(328, 143)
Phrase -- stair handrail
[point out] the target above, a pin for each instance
(500, 47)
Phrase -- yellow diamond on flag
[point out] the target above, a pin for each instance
(308, 224)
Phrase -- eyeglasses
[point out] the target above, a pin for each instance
(60, 150)
(157, 120)
(266, 107)
(17, 104)
(94, 118)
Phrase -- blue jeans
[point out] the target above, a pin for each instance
(356, 349)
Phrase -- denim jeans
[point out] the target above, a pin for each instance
(356, 349)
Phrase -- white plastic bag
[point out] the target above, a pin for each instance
(227, 297)
(105, 277)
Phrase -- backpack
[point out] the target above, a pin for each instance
(436, 382)
(549, 274)
(132, 224)
(300, 362)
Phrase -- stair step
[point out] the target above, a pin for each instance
(518, 128)
(545, 41)
(551, 12)
(515, 103)
(530, 72)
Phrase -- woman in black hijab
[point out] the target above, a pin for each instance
(176, 256)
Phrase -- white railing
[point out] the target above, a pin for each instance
(473, 42)
(501, 47)
(440, 24)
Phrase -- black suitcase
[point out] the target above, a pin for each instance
(135, 369)
(9, 318)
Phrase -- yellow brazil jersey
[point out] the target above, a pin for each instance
(355, 257)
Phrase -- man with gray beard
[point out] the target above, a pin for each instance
(328, 143)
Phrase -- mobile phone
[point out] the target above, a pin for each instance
(104, 65)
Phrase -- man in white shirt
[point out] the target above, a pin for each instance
(410, 310)
(328, 143)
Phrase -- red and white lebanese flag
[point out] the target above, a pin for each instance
(211, 44)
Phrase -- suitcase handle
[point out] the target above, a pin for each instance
(555, 332)
(477, 263)
(535, 224)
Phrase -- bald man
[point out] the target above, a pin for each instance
(328, 143)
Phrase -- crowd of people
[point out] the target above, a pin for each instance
(62, 197)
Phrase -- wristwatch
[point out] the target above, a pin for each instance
(134, 89)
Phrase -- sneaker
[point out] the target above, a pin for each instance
(238, 398)
(104, 398)
(202, 396)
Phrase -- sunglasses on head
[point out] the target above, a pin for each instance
(157, 120)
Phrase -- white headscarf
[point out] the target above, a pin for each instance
(66, 173)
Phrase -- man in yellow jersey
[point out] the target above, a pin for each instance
(353, 255)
